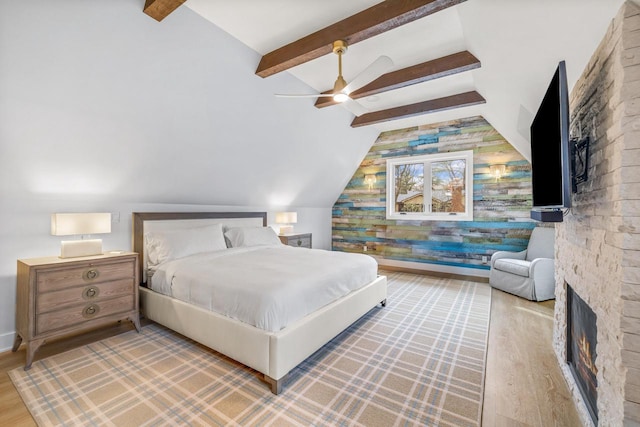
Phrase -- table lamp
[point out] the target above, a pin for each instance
(285, 219)
(69, 224)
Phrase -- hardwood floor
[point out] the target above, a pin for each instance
(523, 386)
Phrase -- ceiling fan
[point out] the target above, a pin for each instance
(341, 89)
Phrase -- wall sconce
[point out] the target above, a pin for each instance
(498, 171)
(370, 179)
(285, 219)
(69, 224)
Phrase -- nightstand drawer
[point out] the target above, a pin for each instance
(50, 301)
(89, 273)
(300, 242)
(73, 316)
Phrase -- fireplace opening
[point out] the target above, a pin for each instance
(581, 349)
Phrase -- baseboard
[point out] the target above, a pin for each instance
(434, 269)
(6, 341)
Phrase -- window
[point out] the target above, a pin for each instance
(431, 187)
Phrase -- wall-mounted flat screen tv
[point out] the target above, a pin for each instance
(550, 149)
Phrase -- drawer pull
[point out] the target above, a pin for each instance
(91, 274)
(299, 242)
(90, 310)
(90, 292)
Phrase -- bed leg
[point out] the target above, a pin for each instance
(383, 303)
(276, 385)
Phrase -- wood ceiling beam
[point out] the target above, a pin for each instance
(430, 70)
(378, 19)
(434, 105)
(160, 9)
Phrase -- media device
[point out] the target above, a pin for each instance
(550, 151)
(547, 215)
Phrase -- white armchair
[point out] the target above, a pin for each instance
(529, 273)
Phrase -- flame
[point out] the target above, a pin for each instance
(584, 348)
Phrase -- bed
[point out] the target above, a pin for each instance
(273, 349)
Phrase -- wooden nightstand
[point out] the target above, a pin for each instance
(302, 240)
(58, 296)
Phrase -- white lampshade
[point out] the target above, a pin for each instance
(286, 217)
(67, 224)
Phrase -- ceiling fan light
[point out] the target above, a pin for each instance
(340, 97)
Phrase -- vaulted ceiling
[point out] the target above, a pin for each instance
(452, 58)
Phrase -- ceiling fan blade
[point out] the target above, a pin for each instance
(369, 74)
(355, 107)
(310, 95)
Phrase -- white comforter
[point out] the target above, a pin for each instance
(268, 287)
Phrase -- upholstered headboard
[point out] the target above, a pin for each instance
(163, 221)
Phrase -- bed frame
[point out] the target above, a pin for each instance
(273, 354)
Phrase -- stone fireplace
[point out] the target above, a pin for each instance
(598, 244)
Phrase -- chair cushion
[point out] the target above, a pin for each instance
(514, 266)
(541, 244)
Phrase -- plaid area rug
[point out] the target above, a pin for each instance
(418, 361)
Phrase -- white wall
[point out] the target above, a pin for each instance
(104, 109)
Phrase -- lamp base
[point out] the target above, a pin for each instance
(80, 248)
(286, 229)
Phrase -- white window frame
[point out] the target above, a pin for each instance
(427, 160)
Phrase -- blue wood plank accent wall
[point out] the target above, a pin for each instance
(500, 207)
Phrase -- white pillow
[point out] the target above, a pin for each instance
(164, 246)
(251, 236)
